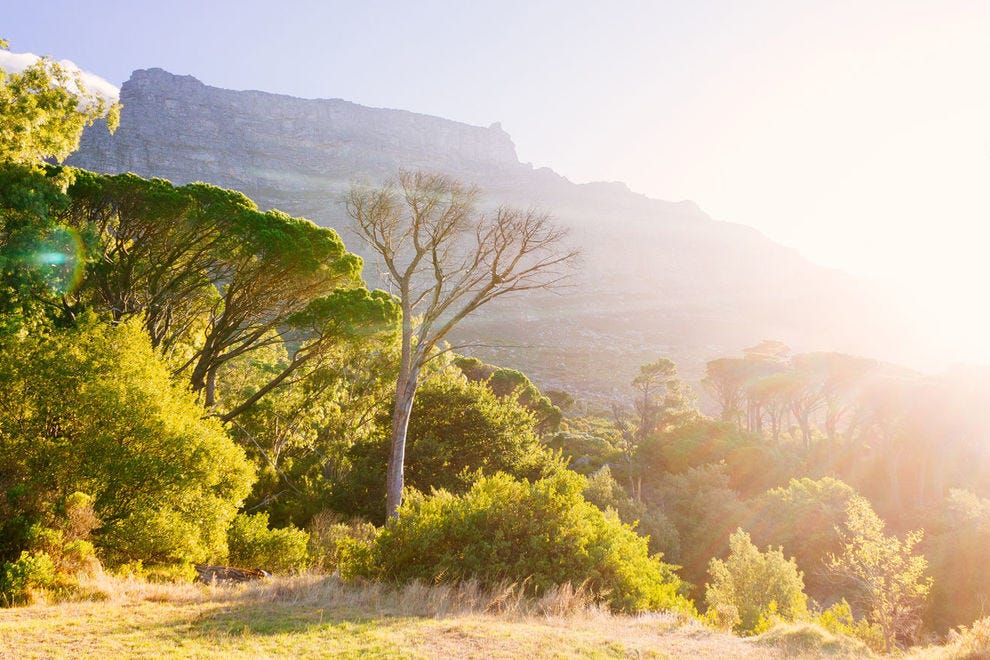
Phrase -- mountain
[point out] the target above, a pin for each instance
(656, 278)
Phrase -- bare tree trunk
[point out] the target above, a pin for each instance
(405, 393)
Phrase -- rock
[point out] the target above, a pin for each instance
(229, 574)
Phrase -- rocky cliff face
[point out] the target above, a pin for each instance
(657, 278)
(177, 127)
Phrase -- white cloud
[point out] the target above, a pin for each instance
(17, 62)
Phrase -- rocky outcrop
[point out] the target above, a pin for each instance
(176, 127)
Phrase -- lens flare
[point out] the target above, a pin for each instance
(61, 259)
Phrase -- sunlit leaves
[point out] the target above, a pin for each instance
(43, 111)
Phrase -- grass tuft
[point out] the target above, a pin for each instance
(811, 640)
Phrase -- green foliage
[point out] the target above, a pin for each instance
(43, 111)
(588, 444)
(541, 532)
(804, 518)
(31, 572)
(660, 397)
(332, 542)
(355, 558)
(511, 383)
(458, 432)
(606, 493)
(93, 409)
(210, 277)
(890, 580)
(752, 466)
(253, 544)
(957, 550)
(704, 510)
(754, 585)
(302, 434)
(839, 620)
(38, 259)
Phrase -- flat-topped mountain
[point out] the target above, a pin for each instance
(656, 278)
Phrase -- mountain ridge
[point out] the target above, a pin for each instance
(657, 278)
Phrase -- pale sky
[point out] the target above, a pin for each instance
(856, 132)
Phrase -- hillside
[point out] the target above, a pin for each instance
(657, 278)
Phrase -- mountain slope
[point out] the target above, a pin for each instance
(657, 278)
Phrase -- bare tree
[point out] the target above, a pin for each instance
(446, 260)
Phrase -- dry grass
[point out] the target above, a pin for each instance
(318, 616)
(972, 643)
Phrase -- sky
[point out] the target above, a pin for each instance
(855, 132)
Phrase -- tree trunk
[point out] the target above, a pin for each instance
(405, 392)
(211, 388)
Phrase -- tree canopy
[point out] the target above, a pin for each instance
(43, 111)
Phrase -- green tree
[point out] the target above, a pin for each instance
(606, 493)
(43, 111)
(40, 261)
(302, 434)
(510, 382)
(651, 385)
(213, 279)
(750, 586)
(887, 573)
(446, 261)
(704, 509)
(726, 379)
(957, 550)
(805, 518)
(459, 431)
(93, 409)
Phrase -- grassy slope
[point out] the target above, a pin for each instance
(320, 618)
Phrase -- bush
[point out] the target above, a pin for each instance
(21, 579)
(839, 619)
(542, 533)
(253, 544)
(459, 431)
(331, 540)
(94, 409)
(757, 585)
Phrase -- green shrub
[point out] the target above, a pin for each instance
(804, 519)
(758, 585)
(839, 619)
(30, 573)
(329, 536)
(605, 492)
(355, 558)
(253, 544)
(542, 532)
